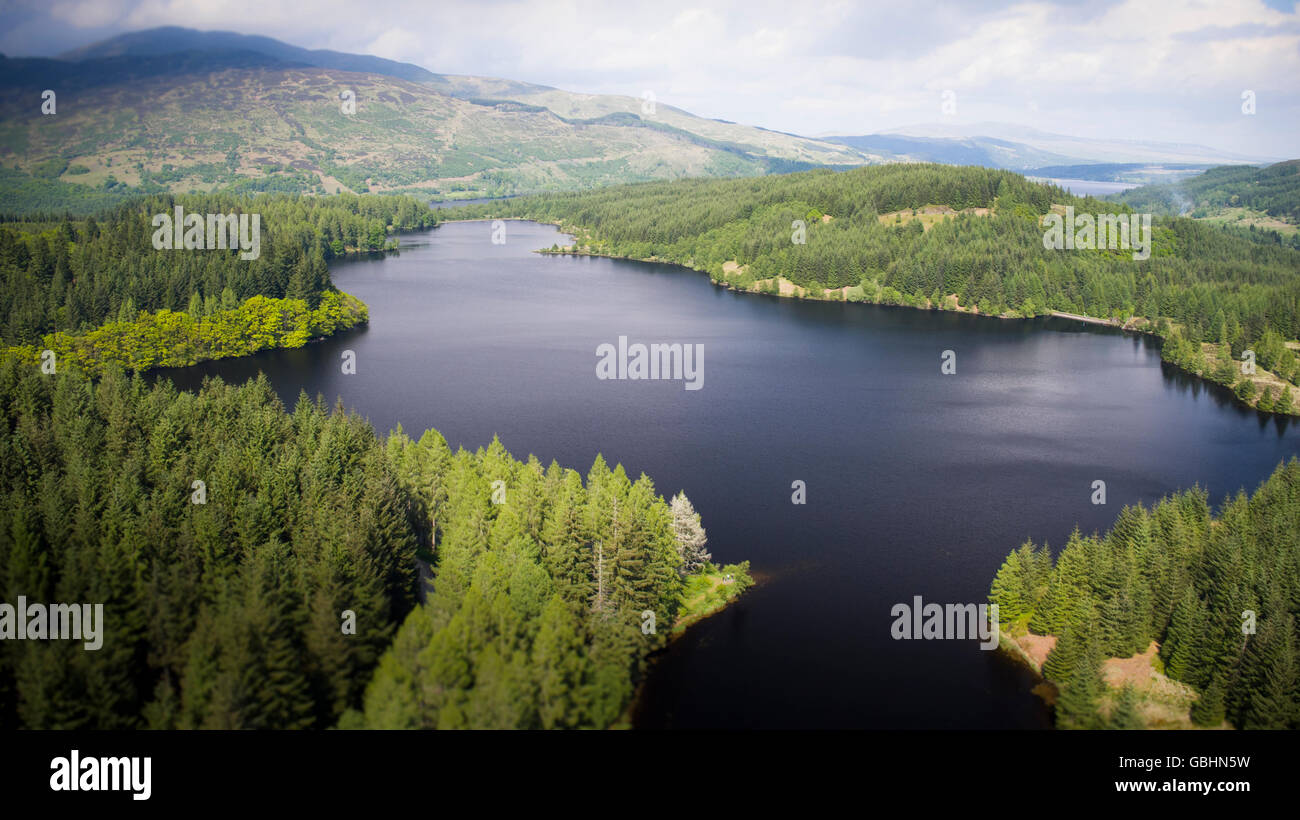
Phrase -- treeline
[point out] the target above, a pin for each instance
(220, 614)
(654, 217)
(545, 603)
(82, 274)
(178, 339)
(1224, 365)
(1210, 285)
(1219, 595)
(228, 602)
(1273, 189)
(27, 195)
(1196, 275)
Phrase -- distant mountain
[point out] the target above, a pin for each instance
(172, 39)
(985, 151)
(178, 109)
(1080, 150)
(1038, 153)
(759, 142)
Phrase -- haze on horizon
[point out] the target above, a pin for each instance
(1134, 69)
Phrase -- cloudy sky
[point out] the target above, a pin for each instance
(1133, 69)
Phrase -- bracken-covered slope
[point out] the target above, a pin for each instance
(269, 119)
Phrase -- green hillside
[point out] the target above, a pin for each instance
(199, 122)
(1252, 196)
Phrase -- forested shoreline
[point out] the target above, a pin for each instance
(98, 293)
(229, 572)
(178, 339)
(1217, 594)
(231, 541)
(956, 238)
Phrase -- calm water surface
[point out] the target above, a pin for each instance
(1091, 187)
(917, 483)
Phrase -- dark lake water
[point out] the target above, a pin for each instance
(918, 483)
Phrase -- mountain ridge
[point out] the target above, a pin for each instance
(252, 113)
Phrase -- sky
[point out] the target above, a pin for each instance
(1128, 69)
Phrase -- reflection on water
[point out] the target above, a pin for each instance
(917, 483)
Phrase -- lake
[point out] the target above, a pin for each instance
(1089, 187)
(918, 483)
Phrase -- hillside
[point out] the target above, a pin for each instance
(179, 110)
(264, 127)
(1080, 149)
(244, 120)
(1250, 196)
(987, 151)
(565, 104)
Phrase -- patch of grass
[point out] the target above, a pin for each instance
(1246, 218)
(709, 591)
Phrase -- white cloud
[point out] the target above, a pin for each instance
(1163, 68)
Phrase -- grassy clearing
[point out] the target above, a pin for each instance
(1265, 383)
(1245, 217)
(710, 591)
(928, 216)
(1162, 702)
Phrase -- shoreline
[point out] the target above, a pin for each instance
(81, 352)
(1163, 702)
(736, 576)
(681, 626)
(1127, 326)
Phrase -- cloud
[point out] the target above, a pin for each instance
(1161, 69)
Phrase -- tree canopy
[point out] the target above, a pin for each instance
(1218, 594)
(231, 542)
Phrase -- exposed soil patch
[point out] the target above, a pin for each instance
(1037, 647)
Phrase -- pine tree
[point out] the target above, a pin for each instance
(1008, 591)
(1208, 710)
(1126, 715)
(1284, 401)
(691, 538)
(1274, 703)
(565, 548)
(1080, 696)
(1069, 584)
(559, 661)
(1076, 640)
(1182, 651)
